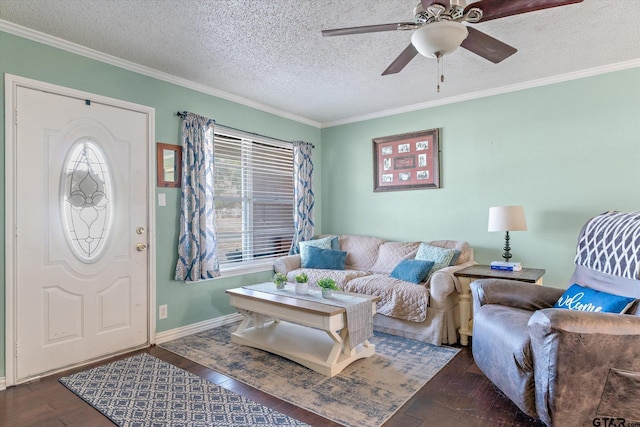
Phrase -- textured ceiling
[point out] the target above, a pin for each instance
(271, 52)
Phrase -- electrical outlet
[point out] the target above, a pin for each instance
(162, 311)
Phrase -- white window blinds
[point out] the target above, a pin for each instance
(253, 197)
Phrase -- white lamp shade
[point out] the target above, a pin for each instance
(507, 218)
(441, 36)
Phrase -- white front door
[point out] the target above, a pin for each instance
(81, 214)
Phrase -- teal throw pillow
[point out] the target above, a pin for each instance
(324, 243)
(335, 243)
(325, 259)
(441, 257)
(584, 299)
(412, 270)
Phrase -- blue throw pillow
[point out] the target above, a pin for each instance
(324, 258)
(324, 243)
(412, 270)
(584, 299)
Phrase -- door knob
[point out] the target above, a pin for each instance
(141, 247)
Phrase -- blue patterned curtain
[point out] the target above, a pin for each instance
(302, 194)
(197, 248)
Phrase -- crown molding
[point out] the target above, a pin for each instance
(59, 43)
(635, 63)
(68, 46)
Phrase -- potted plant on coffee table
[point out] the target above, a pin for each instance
(328, 285)
(302, 287)
(279, 280)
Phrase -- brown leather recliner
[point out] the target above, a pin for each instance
(566, 367)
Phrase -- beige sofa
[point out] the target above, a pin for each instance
(427, 311)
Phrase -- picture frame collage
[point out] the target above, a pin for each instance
(408, 161)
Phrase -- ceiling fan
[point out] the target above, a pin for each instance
(439, 28)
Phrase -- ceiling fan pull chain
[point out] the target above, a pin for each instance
(440, 76)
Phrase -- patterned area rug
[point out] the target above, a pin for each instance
(145, 391)
(366, 393)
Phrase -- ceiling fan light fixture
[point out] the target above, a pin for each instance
(439, 37)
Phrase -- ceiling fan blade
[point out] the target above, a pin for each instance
(370, 29)
(494, 9)
(486, 46)
(401, 61)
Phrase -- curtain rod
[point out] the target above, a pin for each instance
(183, 114)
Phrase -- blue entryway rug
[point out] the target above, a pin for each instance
(365, 394)
(145, 391)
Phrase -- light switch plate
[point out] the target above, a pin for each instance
(162, 199)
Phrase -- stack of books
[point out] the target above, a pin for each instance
(506, 266)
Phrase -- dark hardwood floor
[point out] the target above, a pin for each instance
(459, 395)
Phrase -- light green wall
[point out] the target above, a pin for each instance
(187, 303)
(565, 152)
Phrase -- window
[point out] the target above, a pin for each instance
(253, 181)
(86, 200)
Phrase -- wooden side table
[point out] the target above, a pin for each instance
(467, 275)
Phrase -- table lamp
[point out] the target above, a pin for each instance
(507, 218)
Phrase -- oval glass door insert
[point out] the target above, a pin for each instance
(87, 196)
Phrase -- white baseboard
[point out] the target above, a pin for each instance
(178, 333)
(194, 328)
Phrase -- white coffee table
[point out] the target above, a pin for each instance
(305, 332)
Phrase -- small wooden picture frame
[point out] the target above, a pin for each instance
(169, 165)
(406, 162)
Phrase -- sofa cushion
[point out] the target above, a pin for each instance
(412, 270)
(441, 257)
(325, 258)
(391, 253)
(399, 299)
(323, 243)
(362, 251)
(584, 299)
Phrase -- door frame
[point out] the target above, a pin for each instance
(11, 85)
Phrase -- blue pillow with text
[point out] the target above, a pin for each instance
(325, 259)
(584, 299)
(412, 270)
